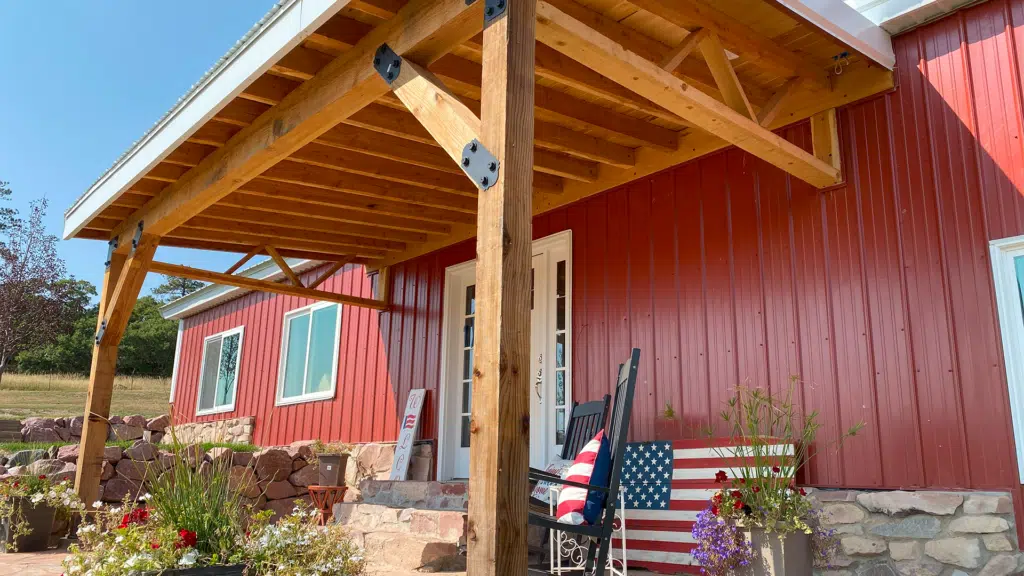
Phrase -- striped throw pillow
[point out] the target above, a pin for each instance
(572, 500)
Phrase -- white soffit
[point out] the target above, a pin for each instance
(895, 16)
(288, 24)
(848, 26)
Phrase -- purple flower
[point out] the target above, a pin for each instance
(721, 547)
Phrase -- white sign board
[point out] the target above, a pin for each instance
(407, 436)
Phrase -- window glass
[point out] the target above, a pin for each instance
(219, 376)
(211, 352)
(466, 381)
(311, 342)
(228, 370)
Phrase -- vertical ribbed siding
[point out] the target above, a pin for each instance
(877, 295)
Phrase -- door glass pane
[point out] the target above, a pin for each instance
(467, 334)
(560, 313)
(560, 426)
(1018, 265)
(465, 432)
(470, 300)
(467, 364)
(467, 397)
(560, 388)
(321, 349)
(207, 386)
(560, 350)
(228, 370)
(560, 274)
(295, 358)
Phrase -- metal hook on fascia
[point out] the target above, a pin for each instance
(111, 248)
(137, 238)
(387, 63)
(480, 165)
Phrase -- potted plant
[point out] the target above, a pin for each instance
(759, 522)
(332, 460)
(28, 506)
(667, 425)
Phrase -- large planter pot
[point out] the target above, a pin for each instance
(780, 554)
(233, 570)
(40, 522)
(332, 469)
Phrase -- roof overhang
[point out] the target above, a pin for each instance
(282, 29)
(848, 26)
(895, 16)
(213, 295)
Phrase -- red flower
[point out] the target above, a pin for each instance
(803, 492)
(736, 494)
(154, 545)
(738, 505)
(717, 499)
(42, 476)
(714, 510)
(721, 476)
(16, 484)
(188, 539)
(136, 516)
(776, 469)
(743, 480)
(757, 489)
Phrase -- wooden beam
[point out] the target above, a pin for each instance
(725, 76)
(738, 37)
(263, 285)
(246, 240)
(331, 270)
(773, 106)
(284, 266)
(126, 291)
(241, 262)
(499, 428)
(580, 42)
(384, 284)
(97, 404)
(825, 139)
(423, 31)
(313, 220)
(673, 59)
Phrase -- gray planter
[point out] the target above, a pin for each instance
(40, 521)
(779, 554)
(332, 469)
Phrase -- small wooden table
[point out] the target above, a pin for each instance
(324, 498)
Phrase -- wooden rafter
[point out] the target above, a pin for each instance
(579, 41)
(283, 265)
(241, 261)
(772, 108)
(725, 76)
(263, 285)
(126, 290)
(422, 30)
(673, 59)
(331, 270)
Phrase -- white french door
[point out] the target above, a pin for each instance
(550, 373)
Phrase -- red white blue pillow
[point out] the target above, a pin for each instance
(592, 466)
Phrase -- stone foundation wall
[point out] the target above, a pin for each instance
(921, 533)
(232, 431)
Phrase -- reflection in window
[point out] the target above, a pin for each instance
(310, 352)
(219, 377)
(560, 336)
(468, 336)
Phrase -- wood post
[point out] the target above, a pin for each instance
(500, 427)
(121, 284)
(825, 140)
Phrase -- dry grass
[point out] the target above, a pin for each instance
(56, 395)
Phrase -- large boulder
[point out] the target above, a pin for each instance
(158, 424)
(307, 476)
(221, 456)
(282, 508)
(900, 502)
(273, 464)
(193, 455)
(64, 433)
(66, 474)
(141, 451)
(107, 471)
(44, 467)
(112, 454)
(25, 457)
(241, 458)
(135, 420)
(278, 490)
(43, 435)
(244, 481)
(38, 423)
(75, 425)
(117, 488)
(302, 449)
(124, 432)
(137, 470)
(68, 453)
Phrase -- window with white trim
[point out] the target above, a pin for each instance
(309, 354)
(218, 374)
(1008, 276)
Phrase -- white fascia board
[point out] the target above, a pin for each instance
(215, 294)
(848, 26)
(289, 26)
(897, 16)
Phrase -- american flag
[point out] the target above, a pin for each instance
(665, 485)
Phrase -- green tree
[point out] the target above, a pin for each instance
(147, 348)
(175, 287)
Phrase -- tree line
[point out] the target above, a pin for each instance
(48, 319)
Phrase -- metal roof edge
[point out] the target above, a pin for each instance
(898, 16)
(213, 295)
(286, 24)
(848, 25)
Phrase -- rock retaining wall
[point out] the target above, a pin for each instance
(134, 427)
(922, 533)
(230, 431)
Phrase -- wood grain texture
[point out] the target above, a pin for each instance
(499, 450)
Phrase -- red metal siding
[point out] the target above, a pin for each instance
(877, 294)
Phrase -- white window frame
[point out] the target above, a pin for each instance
(1011, 327)
(240, 330)
(285, 334)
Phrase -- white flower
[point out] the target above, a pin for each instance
(87, 528)
(37, 498)
(145, 496)
(119, 539)
(189, 559)
(97, 504)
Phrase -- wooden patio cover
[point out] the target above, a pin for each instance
(354, 146)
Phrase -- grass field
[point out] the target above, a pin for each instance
(56, 395)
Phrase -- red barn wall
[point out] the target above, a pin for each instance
(724, 271)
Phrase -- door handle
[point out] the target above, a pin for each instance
(540, 378)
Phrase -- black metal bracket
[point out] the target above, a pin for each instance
(137, 238)
(480, 165)
(99, 333)
(387, 63)
(111, 248)
(493, 9)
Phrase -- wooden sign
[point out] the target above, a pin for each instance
(407, 436)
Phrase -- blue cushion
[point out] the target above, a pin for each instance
(600, 477)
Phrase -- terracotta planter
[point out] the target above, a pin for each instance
(332, 469)
(779, 555)
(233, 570)
(40, 522)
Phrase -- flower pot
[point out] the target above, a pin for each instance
(232, 570)
(779, 554)
(40, 522)
(332, 469)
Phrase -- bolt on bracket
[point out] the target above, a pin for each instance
(480, 165)
(387, 63)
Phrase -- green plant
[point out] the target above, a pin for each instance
(298, 546)
(668, 413)
(33, 491)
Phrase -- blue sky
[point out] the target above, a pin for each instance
(81, 81)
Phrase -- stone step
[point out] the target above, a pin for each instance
(441, 525)
(408, 551)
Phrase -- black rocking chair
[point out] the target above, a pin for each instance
(600, 532)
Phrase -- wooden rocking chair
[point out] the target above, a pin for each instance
(600, 532)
